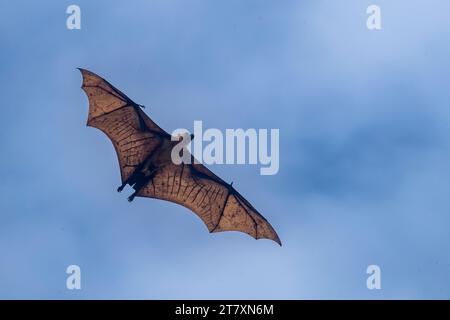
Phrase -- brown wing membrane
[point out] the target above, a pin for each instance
(217, 203)
(134, 135)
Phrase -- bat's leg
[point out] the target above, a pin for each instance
(119, 189)
(131, 198)
(131, 179)
(140, 183)
(138, 186)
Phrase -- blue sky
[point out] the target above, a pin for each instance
(364, 148)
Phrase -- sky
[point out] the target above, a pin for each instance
(364, 120)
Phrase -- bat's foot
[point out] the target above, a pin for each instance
(131, 198)
(119, 189)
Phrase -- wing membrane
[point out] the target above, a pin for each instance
(133, 134)
(216, 203)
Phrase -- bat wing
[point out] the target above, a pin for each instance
(217, 203)
(134, 135)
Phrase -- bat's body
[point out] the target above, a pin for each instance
(145, 172)
(144, 152)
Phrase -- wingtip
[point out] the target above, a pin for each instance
(277, 240)
(274, 239)
(82, 70)
(83, 75)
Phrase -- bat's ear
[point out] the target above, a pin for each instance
(177, 137)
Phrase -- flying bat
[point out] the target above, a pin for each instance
(144, 153)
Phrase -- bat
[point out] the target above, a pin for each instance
(144, 153)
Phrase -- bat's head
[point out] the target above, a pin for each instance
(180, 137)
